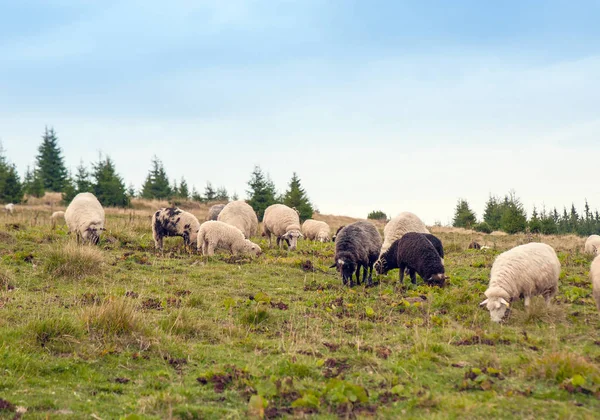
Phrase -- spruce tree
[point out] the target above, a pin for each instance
(108, 186)
(535, 223)
(222, 194)
(131, 192)
(82, 179)
(464, 217)
(209, 192)
(548, 223)
(156, 184)
(69, 190)
(11, 190)
(50, 163)
(493, 213)
(261, 193)
(514, 218)
(235, 197)
(196, 195)
(296, 197)
(184, 191)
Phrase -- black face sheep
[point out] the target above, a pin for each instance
(283, 222)
(474, 245)
(172, 221)
(356, 246)
(214, 211)
(337, 232)
(399, 225)
(85, 217)
(417, 254)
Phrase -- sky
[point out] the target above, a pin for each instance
(379, 105)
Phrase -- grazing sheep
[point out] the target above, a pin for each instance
(241, 215)
(316, 230)
(219, 235)
(214, 211)
(357, 246)
(415, 252)
(85, 217)
(9, 208)
(337, 232)
(528, 270)
(595, 276)
(283, 222)
(57, 217)
(171, 221)
(592, 245)
(474, 245)
(398, 226)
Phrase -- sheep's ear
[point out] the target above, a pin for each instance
(484, 302)
(502, 300)
(333, 265)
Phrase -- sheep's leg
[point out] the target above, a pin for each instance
(358, 274)
(401, 274)
(365, 274)
(370, 280)
(210, 251)
(413, 276)
(527, 300)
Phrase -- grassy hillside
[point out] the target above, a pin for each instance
(118, 331)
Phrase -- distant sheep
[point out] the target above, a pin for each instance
(215, 235)
(214, 211)
(399, 225)
(595, 276)
(57, 217)
(528, 270)
(241, 215)
(316, 230)
(171, 221)
(415, 252)
(9, 208)
(337, 232)
(356, 246)
(592, 245)
(85, 217)
(474, 245)
(283, 222)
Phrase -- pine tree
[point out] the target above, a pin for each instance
(222, 194)
(209, 192)
(573, 220)
(235, 197)
(493, 213)
(296, 197)
(156, 184)
(131, 192)
(11, 190)
(514, 218)
(32, 183)
(184, 191)
(464, 217)
(50, 163)
(108, 185)
(261, 193)
(82, 179)
(196, 195)
(535, 223)
(549, 226)
(69, 190)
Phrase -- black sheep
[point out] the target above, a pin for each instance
(474, 245)
(336, 233)
(437, 244)
(415, 252)
(356, 246)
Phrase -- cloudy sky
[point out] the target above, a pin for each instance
(391, 105)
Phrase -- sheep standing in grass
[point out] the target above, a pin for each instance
(172, 221)
(526, 270)
(283, 222)
(356, 246)
(85, 217)
(9, 208)
(398, 226)
(595, 276)
(213, 212)
(57, 217)
(241, 215)
(416, 253)
(592, 245)
(315, 230)
(215, 235)
(474, 245)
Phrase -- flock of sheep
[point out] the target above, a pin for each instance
(524, 271)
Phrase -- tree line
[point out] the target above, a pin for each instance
(508, 214)
(103, 180)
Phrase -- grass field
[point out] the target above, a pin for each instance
(118, 331)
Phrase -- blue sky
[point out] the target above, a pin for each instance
(391, 105)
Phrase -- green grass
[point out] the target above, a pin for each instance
(118, 331)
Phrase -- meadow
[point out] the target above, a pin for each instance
(121, 331)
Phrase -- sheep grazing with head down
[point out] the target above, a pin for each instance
(283, 222)
(57, 217)
(416, 253)
(526, 270)
(241, 215)
(85, 217)
(399, 225)
(9, 208)
(474, 245)
(215, 235)
(316, 230)
(337, 232)
(595, 276)
(214, 211)
(356, 246)
(171, 221)
(592, 245)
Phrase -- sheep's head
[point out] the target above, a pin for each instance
(345, 266)
(595, 250)
(291, 237)
(381, 266)
(438, 279)
(252, 248)
(498, 306)
(92, 234)
(323, 237)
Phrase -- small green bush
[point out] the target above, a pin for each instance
(483, 227)
(377, 215)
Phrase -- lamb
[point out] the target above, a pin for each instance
(595, 276)
(85, 217)
(172, 221)
(398, 226)
(57, 217)
(356, 246)
(474, 245)
(241, 215)
(9, 208)
(316, 230)
(337, 232)
(219, 235)
(592, 245)
(528, 270)
(214, 211)
(415, 252)
(283, 222)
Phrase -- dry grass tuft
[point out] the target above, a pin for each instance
(72, 261)
(560, 366)
(57, 335)
(538, 311)
(114, 317)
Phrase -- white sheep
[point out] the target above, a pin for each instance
(595, 276)
(283, 222)
(219, 235)
(398, 226)
(172, 221)
(316, 230)
(9, 208)
(57, 217)
(528, 270)
(214, 211)
(241, 215)
(592, 245)
(85, 217)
